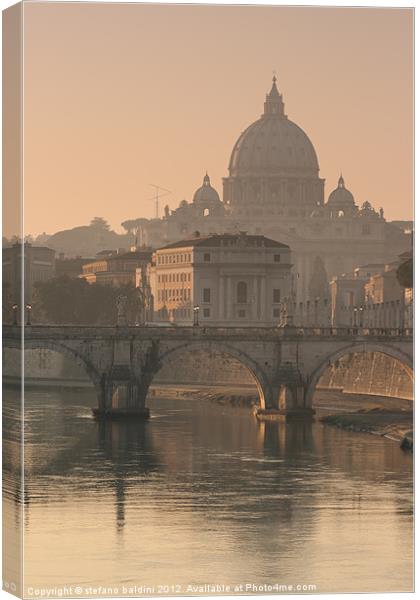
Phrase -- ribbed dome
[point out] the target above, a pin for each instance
(206, 193)
(273, 144)
(341, 197)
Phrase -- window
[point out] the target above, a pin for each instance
(206, 313)
(206, 212)
(276, 313)
(276, 258)
(207, 257)
(241, 292)
(366, 229)
(241, 314)
(276, 296)
(206, 294)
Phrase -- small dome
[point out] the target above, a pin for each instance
(341, 197)
(206, 193)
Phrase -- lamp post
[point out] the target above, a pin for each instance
(196, 310)
(361, 317)
(15, 314)
(28, 308)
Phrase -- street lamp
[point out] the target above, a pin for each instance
(196, 310)
(361, 317)
(15, 314)
(28, 308)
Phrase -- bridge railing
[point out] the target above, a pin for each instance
(208, 331)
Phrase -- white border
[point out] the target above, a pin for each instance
(383, 4)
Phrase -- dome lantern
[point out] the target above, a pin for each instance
(274, 105)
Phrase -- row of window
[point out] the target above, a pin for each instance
(171, 259)
(207, 257)
(174, 294)
(174, 277)
(181, 258)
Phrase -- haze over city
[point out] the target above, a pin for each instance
(121, 96)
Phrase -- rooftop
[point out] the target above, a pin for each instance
(217, 240)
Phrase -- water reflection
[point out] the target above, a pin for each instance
(207, 494)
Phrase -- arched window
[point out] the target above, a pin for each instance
(206, 212)
(241, 292)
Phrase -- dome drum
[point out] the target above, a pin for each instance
(272, 194)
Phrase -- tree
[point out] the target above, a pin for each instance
(8, 316)
(69, 301)
(129, 225)
(99, 223)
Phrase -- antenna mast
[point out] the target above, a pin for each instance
(158, 195)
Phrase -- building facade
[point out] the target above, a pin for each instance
(371, 296)
(273, 188)
(230, 279)
(116, 268)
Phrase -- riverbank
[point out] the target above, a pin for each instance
(391, 424)
(377, 415)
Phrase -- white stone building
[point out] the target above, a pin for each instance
(233, 279)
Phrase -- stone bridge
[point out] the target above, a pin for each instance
(286, 363)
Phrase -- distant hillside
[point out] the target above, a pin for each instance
(88, 240)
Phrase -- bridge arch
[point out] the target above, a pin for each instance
(257, 374)
(405, 360)
(61, 348)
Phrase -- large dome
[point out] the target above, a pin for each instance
(273, 144)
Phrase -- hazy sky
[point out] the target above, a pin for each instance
(120, 96)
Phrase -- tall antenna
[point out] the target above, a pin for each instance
(158, 195)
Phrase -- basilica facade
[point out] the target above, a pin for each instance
(273, 188)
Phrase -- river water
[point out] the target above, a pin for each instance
(203, 494)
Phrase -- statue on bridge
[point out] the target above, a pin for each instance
(145, 299)
(121, 310)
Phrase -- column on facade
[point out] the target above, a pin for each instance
(264, 298)
(229, 311)
(258, 298)
(263, 193)
(254, 299)
(221, 297)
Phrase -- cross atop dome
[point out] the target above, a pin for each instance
(274, 105)
(274, 91)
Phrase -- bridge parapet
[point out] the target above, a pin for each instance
(150, 331)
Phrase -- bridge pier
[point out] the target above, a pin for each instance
(288, 403)
(122, 395)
